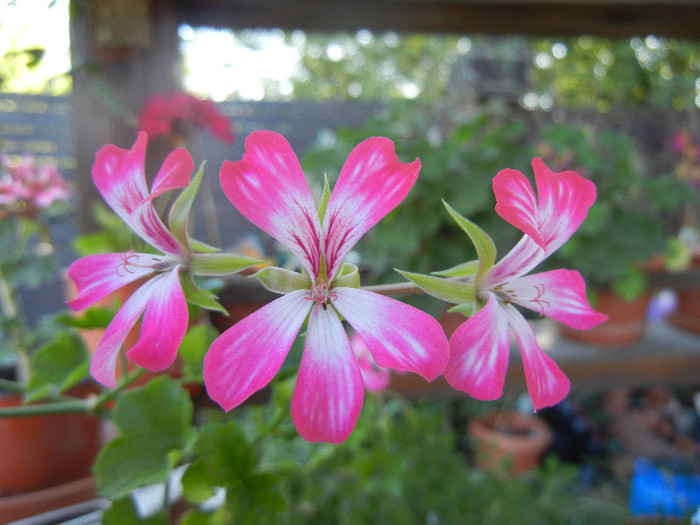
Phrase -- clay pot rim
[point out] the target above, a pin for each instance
(539, 434)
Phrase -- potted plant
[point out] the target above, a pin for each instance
(624, 233)
(40, 362)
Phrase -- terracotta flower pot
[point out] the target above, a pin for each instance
(625, 325)
(42, 451)
(509, 440)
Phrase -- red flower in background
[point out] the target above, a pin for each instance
(179, 113)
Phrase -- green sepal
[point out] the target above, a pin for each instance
(467, 309)
(461, 270)
(349, 277)
(485, 248)
(180, 210)
(212, 264)
(324, 199)
(446, 289)
(280, 280)
(198, 296)
(202, 247)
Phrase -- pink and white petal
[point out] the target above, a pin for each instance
(174, 173)
(97, 276)
(546, 383)
(559, 294)
(164, 324)
(518, 261)
(516, 202)
(120, 178)
(480, 348)
(371, 183)
(328, 394)
(268, 187)
(374, 377)
(103, 365)
(398, 335)
(564, 200)
(247, 356)
(146, 223)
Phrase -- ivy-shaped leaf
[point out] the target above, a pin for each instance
(155, 423)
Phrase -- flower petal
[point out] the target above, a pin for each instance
(371, 183)
(268, 187)
(163, 326)
(374, 376)
(398, 335)
(247, 356)
(103, 365)
(480, 348)
(120, 178)
(97, 276)
(559, 294)
(562, 205)
(564, 199)
(522, 258)
(516, 202)
(328, 394)
(546, 383)
(174, 173)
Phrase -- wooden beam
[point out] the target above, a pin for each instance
(610, 18)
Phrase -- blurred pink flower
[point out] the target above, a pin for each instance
(179, 113)
(375, 377)
(33, 185)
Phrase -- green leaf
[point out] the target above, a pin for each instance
(461, 270)
(216, 264)
(446, 289)
(199, 246)
(194, 347)
(464, 309)
(280, 280)
(155, 425)
(180, 210)
(324, 199)
(349, 277)
(58, 365)
(485, 248)
(199, 296)
(632, 285)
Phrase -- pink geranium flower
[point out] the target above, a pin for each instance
(480, 347)
(178, 113)
(269, 188)
(120, 178)
(33, 186)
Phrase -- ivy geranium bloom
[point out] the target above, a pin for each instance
(480, 347)
(268, 187)
(120, 178)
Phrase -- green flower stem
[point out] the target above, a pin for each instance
(111, 395)
(12, 386)
(406, 288)
(83, 406)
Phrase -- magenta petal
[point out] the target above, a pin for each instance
(518, 261)
(97, 276)
(119, 176)
(164, 324)
(398, 335)
(516, 202)
(480, 348)
(546, 383)
(559, 294)
(564, 199)
(371, 183)
(328, 394)
(174, 174)
(104, 360)
(268, 187)
(247, 356)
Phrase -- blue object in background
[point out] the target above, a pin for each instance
(657, 492)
